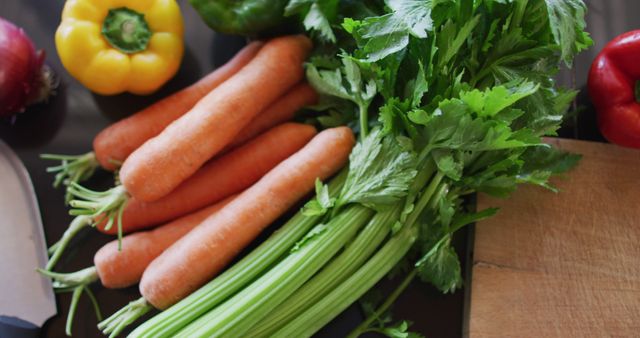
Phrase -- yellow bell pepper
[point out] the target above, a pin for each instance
(113, 46)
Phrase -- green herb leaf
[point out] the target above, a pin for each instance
(321, 203)
(313, 233)
(395, 120)
(327, 82)
(400, 330)
(345, 82)
(462, 219)
(566, 18)
(418, 87)
(441, 268)
(452, 126)
(316, 20)
(317, 14)
(452, 38)
(380, 172)
(540, 163)
(448, 164)
(494, 100)
(384, 35)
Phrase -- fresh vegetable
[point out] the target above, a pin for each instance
(124, 268)
(226, 175)
(450, 98)
(222, 177)
(24, 78)
(353, 256)
(167, 323)
(335, 301)
(74, 169)
(188, 142)
(116, 268)
(114, 144)
(614, 89)
(248, 306)
(132, 46)
(244, 17)
(221, 237)
(205, 251)
(281, 111)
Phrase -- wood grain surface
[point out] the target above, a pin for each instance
(566, 264)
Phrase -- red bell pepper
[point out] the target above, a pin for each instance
(612, 83)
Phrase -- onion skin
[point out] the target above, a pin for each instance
(23, 78)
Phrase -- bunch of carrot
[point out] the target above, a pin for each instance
(214, 181)
(217, 162)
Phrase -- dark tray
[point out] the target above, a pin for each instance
(70, 120)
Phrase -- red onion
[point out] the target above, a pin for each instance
(24, 79)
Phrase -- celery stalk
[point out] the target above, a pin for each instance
(340, 297)
(332, 275)
(170, 321)
(331, 305)
(237, 315)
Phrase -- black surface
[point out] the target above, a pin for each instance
(17, 328)
(68, 123)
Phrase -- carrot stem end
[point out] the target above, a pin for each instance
(72, 169)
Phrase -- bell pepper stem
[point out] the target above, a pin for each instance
(126, 30)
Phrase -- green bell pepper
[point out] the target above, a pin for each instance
(241, 17)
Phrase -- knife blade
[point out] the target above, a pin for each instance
(26, 297)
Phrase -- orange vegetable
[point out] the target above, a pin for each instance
(201, 254)
(121, 269)
(225, 175)
(282, 110)
(116, 268)
(166, 160)
(221, 177)
(114, 144)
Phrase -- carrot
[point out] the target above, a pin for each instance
(123, 268)
(120, 269)
(226, 175)
(280, 111)
(221, 177)
(114, 143)
(205, 251)
(166, 160)
(77, 168)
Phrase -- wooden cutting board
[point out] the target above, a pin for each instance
(566, 264)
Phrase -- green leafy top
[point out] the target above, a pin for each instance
(566, 18)
(458, 95)
(380, 172)
(381, 36)
(316, 16)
